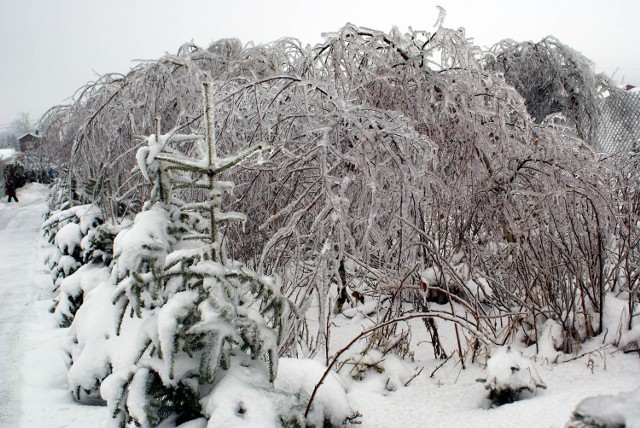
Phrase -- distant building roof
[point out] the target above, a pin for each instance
(29, 137)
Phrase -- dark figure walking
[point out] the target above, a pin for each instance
(11, 190)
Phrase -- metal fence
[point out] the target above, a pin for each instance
(619, 123)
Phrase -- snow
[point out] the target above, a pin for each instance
(242, 399)
(6, 154)
(612, 411)
(550, 341)
(509, 370)
(136, 398)
(148, 236)
(84, 279)
(86, 214)
(299, 377)
(18, 228)
(86, 343)
(34, 389)
(146, 155)
(362, 310)
(68, 264)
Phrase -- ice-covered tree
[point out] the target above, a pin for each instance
(553, 78)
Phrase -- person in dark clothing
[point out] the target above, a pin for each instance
(11, 190)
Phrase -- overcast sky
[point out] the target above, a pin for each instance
(50, 48)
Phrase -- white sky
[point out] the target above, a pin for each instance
(50, 48)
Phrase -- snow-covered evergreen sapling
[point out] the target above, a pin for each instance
(90, 335)
(80, 263)
(71, 231)
(65, 229)
(509, 375)
(200, 313)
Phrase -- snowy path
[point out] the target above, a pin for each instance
(33, 382)
(19, 233)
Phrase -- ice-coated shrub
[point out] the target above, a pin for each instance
(390, 150)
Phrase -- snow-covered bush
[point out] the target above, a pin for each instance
(382, 373)
(620, 410)
(70, 232)
(91, 346)
(96, 253)
(73, 289)
(68, 257)
(65, 230)
(330, 407)
(97, 244)
(244, 397)
(509, 375)
(81, 239)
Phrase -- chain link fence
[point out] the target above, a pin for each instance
(619, 123)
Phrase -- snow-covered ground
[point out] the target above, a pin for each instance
(33, 383)
(33, 386)
(19, 229)
(6, 153)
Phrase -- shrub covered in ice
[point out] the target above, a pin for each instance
(509, 374)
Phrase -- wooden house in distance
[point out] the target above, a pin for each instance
(29, 142)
